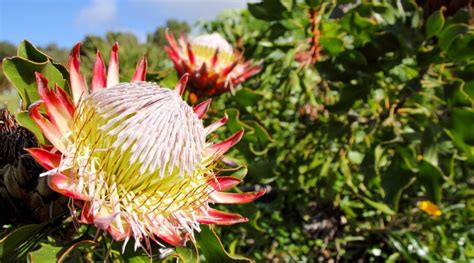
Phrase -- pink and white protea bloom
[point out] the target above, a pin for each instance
(212, 63)
(134, 155)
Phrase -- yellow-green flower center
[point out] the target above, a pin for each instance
(205, 46)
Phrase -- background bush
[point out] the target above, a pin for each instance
(370, 110)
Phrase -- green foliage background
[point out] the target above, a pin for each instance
(381, 121)
(346, 145)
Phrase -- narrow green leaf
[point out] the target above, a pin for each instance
(379, 206)
(13, 246)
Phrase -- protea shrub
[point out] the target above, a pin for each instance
(214, 67)
(134, 155)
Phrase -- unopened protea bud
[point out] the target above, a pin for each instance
(136, 155)
(212, 63)
(13, 139)
(24, 196)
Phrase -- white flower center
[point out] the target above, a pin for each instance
(213, 41)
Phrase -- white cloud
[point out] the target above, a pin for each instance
(99, 13)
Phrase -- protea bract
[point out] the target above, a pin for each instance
(212, 63)
(135, 154)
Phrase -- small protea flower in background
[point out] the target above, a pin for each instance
(214, 67)
(24, 197)
(135, 154)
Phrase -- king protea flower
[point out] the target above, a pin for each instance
(135, 154)
(212, 63)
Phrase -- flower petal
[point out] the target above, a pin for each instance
(190, 52)
(103, 219)
(87, 216)
(171, 40)
(78, 85)
(113, 71)
(247, 73)
(45, 158)
(222, 183)
(99, 80)
(181, 86)
(61, 184)
(140, 72)
(49, 130)
(58, 105)
(215, 58)
(224, 146)
(121, 232)
(221, 218)
(236, 198)
(230, 67)
(202, 108)
(216, 125)
(171, 237)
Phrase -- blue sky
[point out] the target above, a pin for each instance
(66, 22)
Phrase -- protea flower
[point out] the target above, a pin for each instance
(135, 154)
(211, 62)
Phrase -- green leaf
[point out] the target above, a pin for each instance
(46, 253)
(461, 47)
(355, 157)
(446, 37)
(313, 3)
(238, 172)
(379, 206)
(247, 97)
(288, 4)
(431, 178)
(353, 58)
(186, 254)
(333, 45)
(24, 119)
(398, 178)
(21, 73)
(28, 51)
(212, 248)
(67, 251)
(460, 127)
(254, 132)
(17, 243)
(269, 10)
(435, 23)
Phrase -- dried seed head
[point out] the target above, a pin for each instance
(13, 139)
